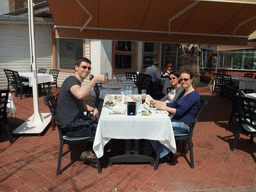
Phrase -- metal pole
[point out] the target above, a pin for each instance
(37, 118)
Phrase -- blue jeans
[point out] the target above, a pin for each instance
(178, 127)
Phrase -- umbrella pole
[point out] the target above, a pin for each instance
(37, 122)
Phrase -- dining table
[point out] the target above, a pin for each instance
(115, 123)
(116, 86)
(244, 83)
(41, 77)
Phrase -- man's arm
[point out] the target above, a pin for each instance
(81, 92)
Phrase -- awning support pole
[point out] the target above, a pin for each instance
(90, 18)
(180, 13)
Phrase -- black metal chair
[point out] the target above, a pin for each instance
(18, 83)
(227, 82)
(97, 88)
(218, 83)
(248, 75)
(42, 70)
(186, 136)
(3, 113)
(55, 74)
(246, 117)
(52, 105)
(140, 80)
(232, 93)
(132, 76)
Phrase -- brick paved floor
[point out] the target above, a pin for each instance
(29, 163)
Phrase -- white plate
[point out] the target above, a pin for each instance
(146, 106)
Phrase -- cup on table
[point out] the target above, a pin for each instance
(143, 95)
(106, 80)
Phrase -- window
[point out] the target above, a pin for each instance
(68, 51)
(150, 53)
(169, 55)
(124, 57)
(239, 59)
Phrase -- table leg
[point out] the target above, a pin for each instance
(131, 155)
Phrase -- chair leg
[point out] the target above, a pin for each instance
(60, 156)
(9, 133)
(191, 153)
(157, 156)
(236, 139)
(98, 165)
(21, 89)
(251, 139)
(230, 119)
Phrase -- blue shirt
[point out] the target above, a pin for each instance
(186, 107)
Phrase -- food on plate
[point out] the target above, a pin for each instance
(116, 98)
(110, 103)
(149, 105)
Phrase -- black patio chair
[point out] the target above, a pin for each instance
(186, 136)
(218, 83)
(227, 82)
(52, 105)
(140, 80)
(42, 70)
(248, 75)
(132, 76)
(18, 83)
(3, 113)
(55, 74)
(246, 118)
(232, 93)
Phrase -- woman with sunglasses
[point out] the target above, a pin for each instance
(176, 88)
(183, 109)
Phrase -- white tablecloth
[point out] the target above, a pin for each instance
(253, 95)
(10, 108)
(114, 87)
(41, 77)
(121, 126)
(245, 83)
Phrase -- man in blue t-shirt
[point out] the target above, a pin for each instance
(70, 108)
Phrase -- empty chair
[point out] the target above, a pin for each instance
(248, 75)
(217, 81)
(140, 79)
(42, 70)
(246, 118)
(55, 74)
(132, 76)
(18, 83)
(3, 113)
(52, 105)
(232, 93)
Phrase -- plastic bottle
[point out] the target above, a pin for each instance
(126, 88)
(130, 88)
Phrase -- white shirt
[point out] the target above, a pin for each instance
(154, 73)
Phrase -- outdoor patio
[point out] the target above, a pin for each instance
(29, 163)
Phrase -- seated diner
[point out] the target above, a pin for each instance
(175, 90)
(183, 110)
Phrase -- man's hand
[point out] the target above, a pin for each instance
(100, 78)
(96, 114)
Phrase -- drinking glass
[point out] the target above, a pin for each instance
(106, 80)
(143, 95)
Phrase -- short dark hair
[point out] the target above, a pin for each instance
(175, 73)
(80, 60)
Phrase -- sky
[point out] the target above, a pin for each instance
(4, 6)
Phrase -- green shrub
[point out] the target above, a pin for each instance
(201, 84)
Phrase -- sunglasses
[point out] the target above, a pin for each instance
(84, 67)
(185, 79)
(172, 78)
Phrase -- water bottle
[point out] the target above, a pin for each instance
(130, 88)
(126, 88)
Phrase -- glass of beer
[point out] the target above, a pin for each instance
(106, 80)
(143, 95)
